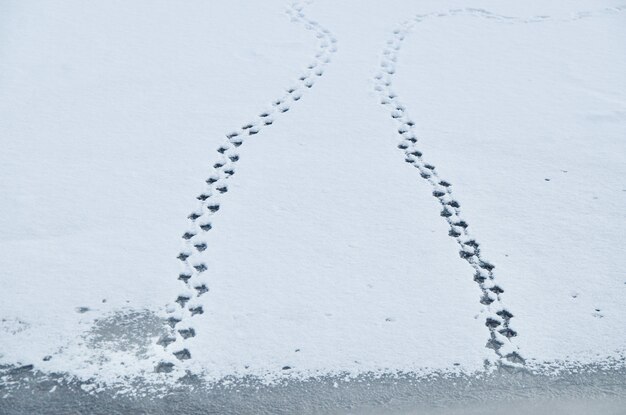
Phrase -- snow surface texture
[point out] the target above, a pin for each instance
(196, 237)
(324, 254)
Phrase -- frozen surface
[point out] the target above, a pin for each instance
(584, 390)
(326, 254)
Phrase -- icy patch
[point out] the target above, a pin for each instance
(599, 388)
(125, 331)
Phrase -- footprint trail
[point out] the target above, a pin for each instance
(195, 282)
(498, 317)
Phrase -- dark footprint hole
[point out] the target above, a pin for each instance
(165, 341)
(247, 126)
(188, 235)
(222, 189)
(211, 180)
(218, 165)
(182, 300)
(253, 132)
(479, 278)
(194, 216)
(444, 184)
(237, 143)
(403, 146)
(438, 193)
(494, 344)
(196, 310)
(222, 150)
(200, 268)
(183, 256)
(173, 321)
(229, 172)
(486, 300)
(486, 265)
(286, 367)
(231, 135)
(446, 213)
(184, 277)
(454, 204)
(492, 323)
(187, 333)
(471, 243)
(202, 289)
(267, 114)
(234, 158)
(425, 175)
(465, 254)
(497, 290)
(164, 367)
(206, 227)
(270, 122)
(505, 314)
(200, 247)
(183, 354)
(415, 153)
(514, 357)
(203, 197)
(213, 208)
(454, 233)
(461, 224)
(508, 333)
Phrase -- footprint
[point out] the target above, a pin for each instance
(164, 367)
(183, 354)
(187, 333)
(202, 289)
(200, 267)
(182, 300)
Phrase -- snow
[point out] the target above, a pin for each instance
(553, 226)
(327, 253)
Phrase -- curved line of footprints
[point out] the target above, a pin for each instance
(498, 318)
(193, 274)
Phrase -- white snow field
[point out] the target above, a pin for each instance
(323, 189)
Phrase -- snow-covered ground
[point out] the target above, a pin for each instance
(342, 154)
